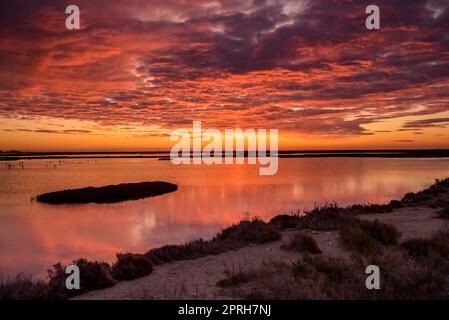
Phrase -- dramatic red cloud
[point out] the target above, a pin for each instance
(309, 68)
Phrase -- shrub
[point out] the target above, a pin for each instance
(23, 287)
(249, 231)
(430, 196)
(405, 278)
(234, 237)
(131, 266)
(435, 248)
(302, 243)
(302, 270)
(312, 267)
(375, 208)
(417, 247)
(440, 244)
(356, 239)
(444, 213)
(384, 233)
(369, 208)
(167, 253)
(395, 204)
(367, 238)
(325, 218)
(285, 221)
(416, 198)
(234, 278)
(191, 250)
(433, 252)
(93, 276)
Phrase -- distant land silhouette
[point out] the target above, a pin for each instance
(165, 155)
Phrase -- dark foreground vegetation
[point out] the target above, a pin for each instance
(95, 275)
(430, 197)
(414, 269)
(109, 194)
(317, 277)
(234, 237)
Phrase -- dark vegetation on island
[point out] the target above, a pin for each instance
(414, 269)
(109, 194)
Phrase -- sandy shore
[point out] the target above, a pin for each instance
(197, 279)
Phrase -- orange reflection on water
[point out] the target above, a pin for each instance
(33, 236)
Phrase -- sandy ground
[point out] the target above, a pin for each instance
(196, 279)
(414, 222)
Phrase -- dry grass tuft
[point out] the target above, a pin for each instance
(302, 243)
(367, 238)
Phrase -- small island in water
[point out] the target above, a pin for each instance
(109, 194)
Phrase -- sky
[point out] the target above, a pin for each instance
(137, 70)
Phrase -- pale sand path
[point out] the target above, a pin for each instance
(196, 279)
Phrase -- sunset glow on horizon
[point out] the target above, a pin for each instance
(137, 70)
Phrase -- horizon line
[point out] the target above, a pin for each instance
(11, 152)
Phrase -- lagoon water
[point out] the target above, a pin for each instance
(33, 236)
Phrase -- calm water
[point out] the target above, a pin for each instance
(33, 236)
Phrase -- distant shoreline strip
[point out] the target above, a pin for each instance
(423, 153)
